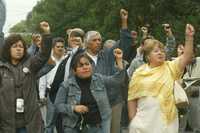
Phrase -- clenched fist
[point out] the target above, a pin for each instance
(44, 26)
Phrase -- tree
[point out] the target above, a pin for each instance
(103, 15)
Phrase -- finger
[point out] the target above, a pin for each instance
(189, 29)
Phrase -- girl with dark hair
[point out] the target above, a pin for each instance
(18, 95)
(83, 98)
(13, 42)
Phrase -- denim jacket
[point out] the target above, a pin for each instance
(69, 95)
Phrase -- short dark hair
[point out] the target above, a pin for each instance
(9, 41)
(58, 39)
(77, 34)
(76, 60)
(145, 38)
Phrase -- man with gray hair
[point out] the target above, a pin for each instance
(103, 62)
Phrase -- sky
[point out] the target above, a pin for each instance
(17, 10)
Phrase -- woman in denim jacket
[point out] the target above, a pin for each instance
(83, 99)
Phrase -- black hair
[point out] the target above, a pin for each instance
(9, 41)
(58, 39)
(147, 37)
(76, 60)
(76, 34)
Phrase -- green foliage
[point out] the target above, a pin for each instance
(20, 27)
(103, 16)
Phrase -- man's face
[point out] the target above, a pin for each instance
(94, 45)
(58, 49)
(74, 41)
(37, 39)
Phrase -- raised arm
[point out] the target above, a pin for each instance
(38, 61)
(126, 40)
(170, 41)
(187, 56)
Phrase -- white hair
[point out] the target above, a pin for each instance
(90, 35)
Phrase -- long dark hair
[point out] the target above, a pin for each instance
(9, 41)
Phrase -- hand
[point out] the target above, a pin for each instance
(81, 109)
(118, 53)
(43, 101)
(189, 30)
(144, 30)
(124, 14)
(139, 50)
(44, 26)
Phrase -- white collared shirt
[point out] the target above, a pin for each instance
(67, 66)
(46, 80)
(93, 57)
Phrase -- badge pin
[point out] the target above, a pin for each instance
(26, 70)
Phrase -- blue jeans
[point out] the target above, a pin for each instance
(53, 118)
(21, 130)
(50, 116)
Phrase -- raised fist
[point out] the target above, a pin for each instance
(124, 14)
(44, 26)
(144, 29)
(189, 30)
(118, 53)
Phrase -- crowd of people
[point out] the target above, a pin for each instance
(119, 86)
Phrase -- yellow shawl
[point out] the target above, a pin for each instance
(157, 82)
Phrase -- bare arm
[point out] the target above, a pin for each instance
(132, 109)
(40, 59)
(186, 57)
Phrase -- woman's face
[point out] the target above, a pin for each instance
(17, 51)
(83, 69)
(156, 56)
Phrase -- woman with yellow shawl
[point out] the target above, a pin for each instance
(151, 104)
